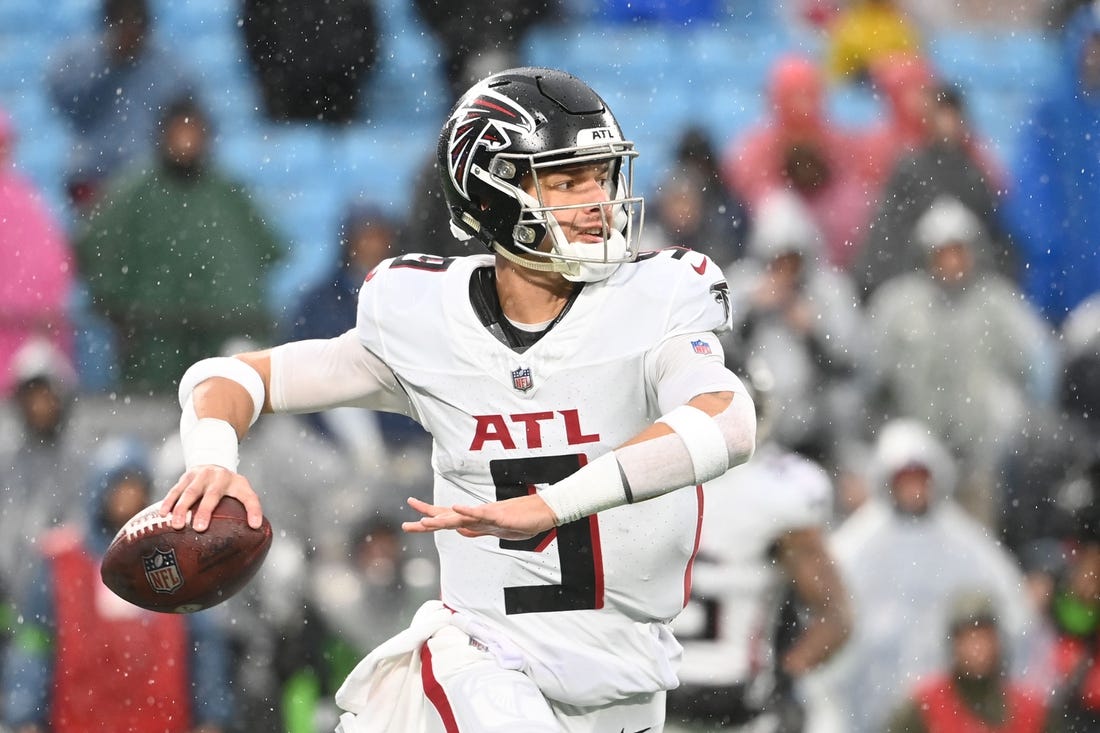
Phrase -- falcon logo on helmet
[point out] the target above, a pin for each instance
(485, 121)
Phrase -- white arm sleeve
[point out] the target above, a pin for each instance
(700, 448)
(318, 374)
(679, 372)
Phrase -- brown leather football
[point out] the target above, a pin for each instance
(170, 570)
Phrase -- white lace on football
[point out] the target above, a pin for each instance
(144, 522)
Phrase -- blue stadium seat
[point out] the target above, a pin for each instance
(992, 60)
(381, 163)
(67, 18)
(21, 66)
(546, 45)
(998, 116)
(42, 138)
(187, 20)
(636, 52)
(295, 155)
(18, 18)
(854, 106)
(730, 111)
(732, 56)
(241, 150)
(394, 100)
(309, 221)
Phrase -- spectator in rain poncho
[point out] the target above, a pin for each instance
(958, 348)
(903, 81)
(798, 148)
(470, 49)
(36, 264)
(904, 555)
(801, 318)
(1054, 200)
(41, 473)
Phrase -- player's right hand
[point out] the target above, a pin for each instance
(519, 518)
(200, 489)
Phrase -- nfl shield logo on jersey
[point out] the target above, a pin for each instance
(521, 379)
(700, 347)
(162, 571)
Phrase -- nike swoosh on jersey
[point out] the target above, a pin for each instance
(643, 730)
(699, 269)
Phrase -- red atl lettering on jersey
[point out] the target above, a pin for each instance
(534, 430)
(496, 428)
(573, 433)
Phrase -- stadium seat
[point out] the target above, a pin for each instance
(991, 60)
(186, 21)
(853, 106)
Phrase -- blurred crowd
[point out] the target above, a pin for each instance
(927, 312)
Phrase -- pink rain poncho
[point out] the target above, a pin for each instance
(36, 264)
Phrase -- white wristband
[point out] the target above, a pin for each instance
(710, 456)
(210, 442)
(595, 487)
(229, 368)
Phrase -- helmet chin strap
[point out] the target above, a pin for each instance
(588, 271)
(530, 264)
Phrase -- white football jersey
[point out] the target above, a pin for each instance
(728, 629)
(595, 594)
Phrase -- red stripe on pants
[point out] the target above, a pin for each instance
(435, 691)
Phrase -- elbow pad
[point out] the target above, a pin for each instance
(700, 449)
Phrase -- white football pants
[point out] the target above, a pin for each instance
(465, 690)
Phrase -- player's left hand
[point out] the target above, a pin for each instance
(511, 519)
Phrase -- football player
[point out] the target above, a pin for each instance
(577, 397)
(768, 603)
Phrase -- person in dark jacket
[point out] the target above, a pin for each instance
(479, 37)
(177, 257)
(311, 59)
(951, 162)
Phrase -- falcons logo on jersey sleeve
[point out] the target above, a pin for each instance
(485, 121)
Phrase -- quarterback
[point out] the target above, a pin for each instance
(577, 397)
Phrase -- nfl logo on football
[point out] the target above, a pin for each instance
(521, 379)
(162, 571)
(700, 347)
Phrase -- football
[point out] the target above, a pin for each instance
(159, 568)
